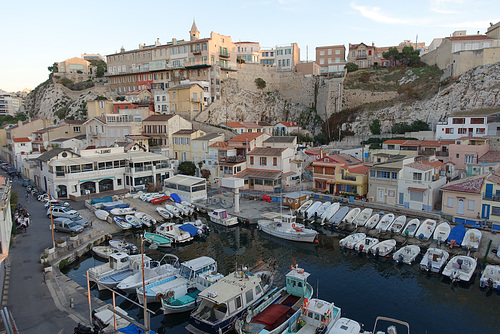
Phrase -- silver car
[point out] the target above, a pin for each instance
(60, 211)
(67, 225)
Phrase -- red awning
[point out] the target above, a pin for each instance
(416, 189)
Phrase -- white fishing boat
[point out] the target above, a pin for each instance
(351, 216)
(398, 224)
(490, 278)
(134, 221)
(186, 211)
(472, 239)
(120, 266)
(158, 270)
(385, 222)
(338, 216)
(101, 214)
(426, 229)
(345, 326)
(434, 259)
(441, 232)
(365, 244)
(322, 208)
(383, 248)
(145, 218)
(460, 267)
(329, 212)
(104, 251)
(304, 206)
(363, 216)
(106, 318)
(280, 309)
(173, 210)
(316, 316)
(164, 212)
(172, 231)
(122, 223)
(309, 214)
(406, 254)
(351, 240)
(411, 227)
(373, 221)
(217, 309)
(221, 217)
(190, 205)
(122, 211)
(287, 228)
(123, 246)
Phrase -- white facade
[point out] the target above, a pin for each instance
(188, 188)
(161, 99)
(466, 126)
(5, 220)
(286, 57)
(108, 129)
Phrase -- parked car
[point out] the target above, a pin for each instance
(80, 221)
(4, 166)
(60, 211)
(56, 202)
(67, 225)
(26, 182)
(12, 171)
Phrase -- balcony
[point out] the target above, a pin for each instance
(225, 55)
(491, 197)
(442, 154)
(197, 52)
(348, 178)
(361, 57)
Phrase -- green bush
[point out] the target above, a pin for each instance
(351, 67)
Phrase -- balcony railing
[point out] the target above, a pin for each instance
(491, 197)
(442, 154)
(348, 178)
(361, 57)
(224, 55)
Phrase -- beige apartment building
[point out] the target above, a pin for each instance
(248, 52)
(182, 140)
(366, 56)
(159, 129)
(186, 100)
(331, 59)
(98, 108)
(287, 57)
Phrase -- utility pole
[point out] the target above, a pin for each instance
(327, 126)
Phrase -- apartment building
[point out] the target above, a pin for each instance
(186, 100)
(287, 57)
(159, 129)
(331, 59)
(182, 140)
(267, 57)
(461, 199)
(469, 123)
(467, 150)
(99, 107)
(9, 104)
(6, 223)
(248, 52)
(366, 56)
(383, 181)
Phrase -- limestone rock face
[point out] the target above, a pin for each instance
(477, 88)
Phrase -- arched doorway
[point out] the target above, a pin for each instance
(89, 185)
(105, 185)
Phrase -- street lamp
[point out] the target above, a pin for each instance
(145, 302)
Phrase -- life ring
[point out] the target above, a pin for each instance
(293, 225)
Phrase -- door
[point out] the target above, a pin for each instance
(486, 211)
(489, 191)
(381, 197)
(461, 206)
(401, 198)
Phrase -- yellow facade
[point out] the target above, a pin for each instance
(182, 144)
(99, 107)
(353, 183)
(186, 100)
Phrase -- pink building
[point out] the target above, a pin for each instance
(467, 150)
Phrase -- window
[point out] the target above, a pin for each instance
(77, 129)
(480, 131)
(471, 204)
(263, 161)
(462, 131)
(275, 161)
(383, 175)
(251, 160)
(458, 121)
(322, 53)
(495, 210)
(417, 176)
(469, 158)
(238, 302)
(249, 296)
(450, 130)
(394, 175)
(477, 120)
(337, 52)
(450, 202)
(372, 173)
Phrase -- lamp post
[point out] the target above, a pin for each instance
(144, 301)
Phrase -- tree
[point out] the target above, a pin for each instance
(419, 125)
(54, 68)
(261, 84)
(392, 55)
(321, 138)
(400, 128)
(205, 173)
(351, 67)
(409, 56)
(101, 67)
(187, 168)
(375, 127)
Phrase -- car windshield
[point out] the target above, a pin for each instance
(76, 218)
(72, 224)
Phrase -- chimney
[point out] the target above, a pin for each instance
(174, 41)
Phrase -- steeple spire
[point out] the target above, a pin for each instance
(194, 34)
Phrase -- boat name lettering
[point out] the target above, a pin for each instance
(233, 283)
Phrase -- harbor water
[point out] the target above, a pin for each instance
(363, 286)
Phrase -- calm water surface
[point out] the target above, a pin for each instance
(364, 287)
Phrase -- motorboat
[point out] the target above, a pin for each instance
(174, 210)
(411, 227)
(456, 235)
(426, 229)
(159, 199)
(281, 308)
(490, 278)
(304, 206)
(190, 205)
(124, 246)
(217, 309)
(120, 266)
(157, 270)
(221, 217)
(351, 216)
(309, 214)
(145, 218)
(316, 316)
(186, 211)
(164, 212)
(134, 221)
(388, 326)
(460, 267)
(434, 259)
(441, 232)
(287, 228)
(351, 240)
(193, 229)
(329, 212)
(363, 216)
(398, 224)
(338, 216)
(122, 211)
(385, 222)
(158, 240)
(122, 223)
(383, 248)
(365, 244)
(345, 326)
(104, 251)
(322, 208)
(181, 294)
(373, 221)
(101, 214)
(172, 231)
(406, 254)
(105, 316)
(472, 238)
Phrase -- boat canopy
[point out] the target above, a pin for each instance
(457, 233)
(190, 228)
(175, 197)
(101, 200)
(296, 282)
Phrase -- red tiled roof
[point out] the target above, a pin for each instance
(289, 124)
(268, 151)
(21, 140)
(358, 169)
(432, 164)
(490, 156)
(219, 144)
(234, 124)
(471, 185)
(158, 118)
(419, 165)
(246, 136)
(251, 125)
(259, 173)
(493, 178)
(412, 143)
(394, 141)
(185, 132)
(437, 142)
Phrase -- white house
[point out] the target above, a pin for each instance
(285, 128)
(470, 123)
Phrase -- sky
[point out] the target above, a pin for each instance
(35, 33)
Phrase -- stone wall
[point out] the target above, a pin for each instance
(356, 97)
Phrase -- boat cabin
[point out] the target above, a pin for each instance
(296, 282)
(220, 213)
(202, 270)
(168, 228)
(119, 260)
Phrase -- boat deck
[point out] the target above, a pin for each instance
(116, 277)
(272, 316)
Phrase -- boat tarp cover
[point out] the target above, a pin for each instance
(272, 316)
(457, 233)
(133, 329)
(101, 200)
(190, 228)
(175, 197)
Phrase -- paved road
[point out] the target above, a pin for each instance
(29, 299)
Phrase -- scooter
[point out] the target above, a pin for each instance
(82, 329)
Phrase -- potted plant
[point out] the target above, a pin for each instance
(61, 243)
(43, 258)
(50, 250)
(47, 267)
(73, 236)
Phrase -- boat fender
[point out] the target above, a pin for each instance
(159, 297)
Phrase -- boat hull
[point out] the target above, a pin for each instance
(306, 237)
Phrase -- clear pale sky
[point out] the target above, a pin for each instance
(35, 33)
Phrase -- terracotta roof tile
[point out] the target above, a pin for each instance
(219, 144)
(268, 151)
(241, 138)
(394, 141)
(158, 118)
(289, 124)
(21, 140)
(419, 165)
(471, 185)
